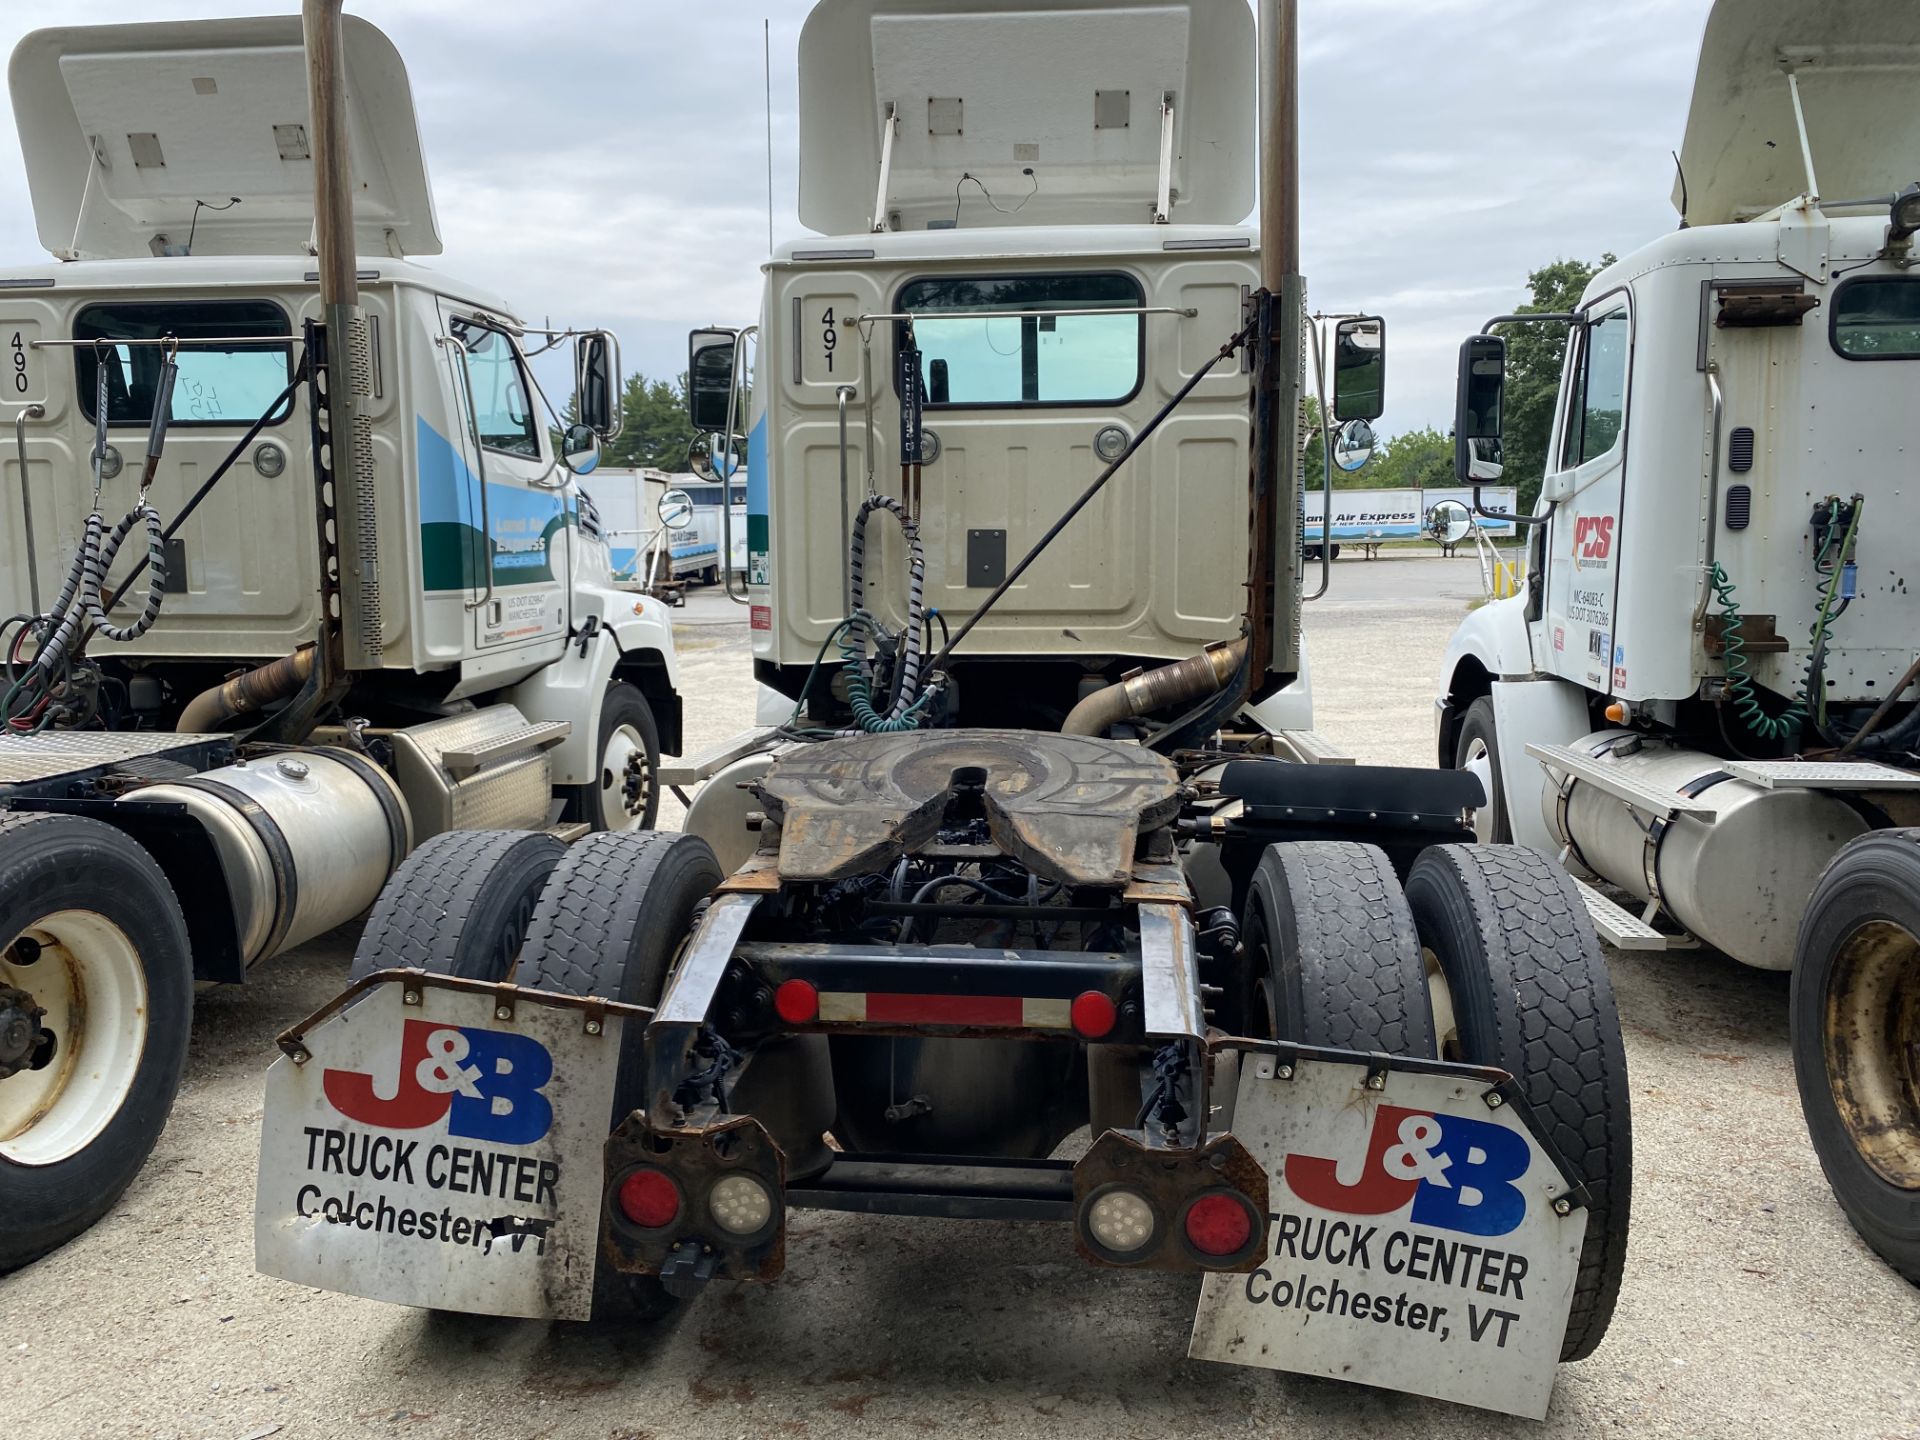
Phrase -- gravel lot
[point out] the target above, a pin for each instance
(1749, 1307)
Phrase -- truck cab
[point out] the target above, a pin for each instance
(1053, 251)
(1701, 698)
(349, 616)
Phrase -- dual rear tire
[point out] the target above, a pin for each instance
(1486, 957)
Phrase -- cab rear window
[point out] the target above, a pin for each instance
(1877, 317)
(979, 350)
(226, 377)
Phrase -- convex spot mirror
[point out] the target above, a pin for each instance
(703, 458)
(1449, 522)
(1477, 409)
(675, 510)
(1360, 368)
(580, 449)
(596, 383)
(1353, 446)
(710, 379)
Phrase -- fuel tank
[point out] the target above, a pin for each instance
(1739, 878)
(305, 838)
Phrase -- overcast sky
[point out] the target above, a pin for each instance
(603, 161)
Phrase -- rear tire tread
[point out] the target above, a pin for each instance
(423, 910)
(1352, 974)
(1566, 1052)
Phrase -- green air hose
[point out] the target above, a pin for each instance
(1740, 686)
(1739, 676)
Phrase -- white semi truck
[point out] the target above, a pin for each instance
(1030, 844)
(360, 615)
(1703, 695)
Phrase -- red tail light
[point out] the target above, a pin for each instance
(650, 1199)
(1219, 1224)
(796, 1002)
(1093, 1015)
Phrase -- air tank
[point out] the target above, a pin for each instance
(1738, 879)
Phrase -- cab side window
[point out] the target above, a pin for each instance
(502, 407)
(1597, 402)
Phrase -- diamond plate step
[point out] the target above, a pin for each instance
(1821, 775)
(507, 745)
(1621, 785)
(1618, 927)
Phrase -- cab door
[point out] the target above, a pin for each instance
(513, 540)
(1585, 478)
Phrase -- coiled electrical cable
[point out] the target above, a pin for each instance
(59, 633)
(910, 698)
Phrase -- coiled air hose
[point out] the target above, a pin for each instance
(59, 632)
(910, 698)
(1740, 683)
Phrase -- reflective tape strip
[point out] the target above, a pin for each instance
(1008, 1012)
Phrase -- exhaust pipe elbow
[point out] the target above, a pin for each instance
(246, 693)
(1190, 679)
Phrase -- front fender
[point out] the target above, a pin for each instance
(1491, 644)
(616, 635)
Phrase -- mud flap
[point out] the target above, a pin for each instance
(439, 1143)
(1422, 1236)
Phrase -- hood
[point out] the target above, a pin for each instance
(125, 127)
(996, 88)
(1858, 63)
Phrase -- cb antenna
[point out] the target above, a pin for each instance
(766, 58)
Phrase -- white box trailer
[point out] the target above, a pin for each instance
(1374, 515)
(628, 501)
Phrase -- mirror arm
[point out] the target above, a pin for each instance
(1558, 317)
(743, 595)
(1326, 451)
(1525, 522)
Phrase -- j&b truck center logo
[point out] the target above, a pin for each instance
(481, 1085)
(485, 1084)
(1409, 1245)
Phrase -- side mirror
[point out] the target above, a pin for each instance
(710, 379)
(1360, 368)
(580, 449)
(1477, 409)
(675, 510)
(1353, 446)
(596, 381)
